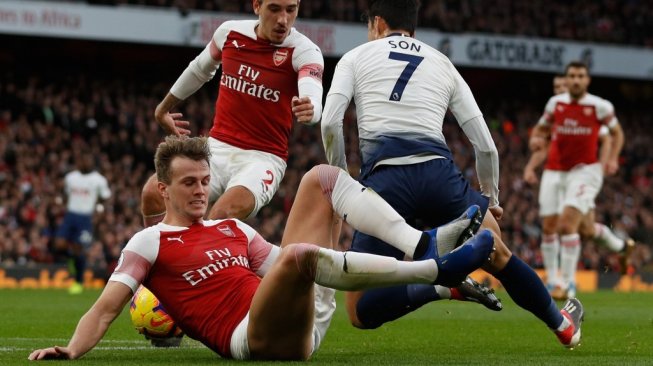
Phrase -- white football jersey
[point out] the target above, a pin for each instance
(385, 70)
(83, 191)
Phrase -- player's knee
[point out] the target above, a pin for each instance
(237, 210)
(301, 256)
(587, 232)
(565, 227)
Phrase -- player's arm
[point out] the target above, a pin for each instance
(605, 149)
(536, 159)
(199, 71)
(307, 107)
(538, 143)
(617, 143)
(338, 98)
(540, 136)
(469, 117)
(92, 326)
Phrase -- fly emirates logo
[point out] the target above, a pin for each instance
(246, 83)
(572, 127)
(219, 259)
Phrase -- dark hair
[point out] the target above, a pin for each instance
(194, 148)
(399, 14)
(576, 64)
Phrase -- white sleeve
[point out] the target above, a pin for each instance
(332, 130)
(547, 116)
(104, 191)
(605, 113)
(310, 87)
(137, 258)
(487, 157)
(202, 68)
(309, 63)
(338, 98)
(462, 102)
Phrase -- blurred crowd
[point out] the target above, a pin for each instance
(45, 123)
(608, 21)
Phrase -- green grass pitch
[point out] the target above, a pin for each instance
(618, 330)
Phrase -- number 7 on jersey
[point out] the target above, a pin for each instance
(400, 85)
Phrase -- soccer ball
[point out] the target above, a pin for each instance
(150, 318)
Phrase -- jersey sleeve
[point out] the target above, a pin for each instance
(547, 116)
(137, 258)
(203, 67)
(462, 102)
(261, 253)
(343, 77)
(104, 190)
(309, 63)
(338, 99)
(605, 114)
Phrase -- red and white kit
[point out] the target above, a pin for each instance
(205, 274)
(573, 175)
(253, 115)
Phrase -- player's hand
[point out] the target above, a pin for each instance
(536, 143)
(173, 124)
(302, 109)
(52, 353)
(497, 212)
(611, 167)
(529, 175)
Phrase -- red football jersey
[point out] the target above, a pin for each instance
(203, 274)
(259, 79)
(575, 129)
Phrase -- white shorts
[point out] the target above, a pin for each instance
(325, 306)
(576, 188)
(258, 171)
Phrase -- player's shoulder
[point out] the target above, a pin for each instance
(245, 27)
(146, 236)
(595, 100)
(300, 42)
(562, 97)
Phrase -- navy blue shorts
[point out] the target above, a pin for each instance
(76, 228)
(427, 195)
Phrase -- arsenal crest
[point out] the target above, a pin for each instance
(226, 230)
(588, 111)
(280, 56)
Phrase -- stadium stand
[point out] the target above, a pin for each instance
(605, 21)
(101, 95)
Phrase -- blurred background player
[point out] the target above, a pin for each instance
(266, 64)
(567, 137)
(83, 187)
(242, 296)
(402, 89)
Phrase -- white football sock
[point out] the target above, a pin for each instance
(350, 271)
(366, 211)
(603, 235)
(550, 248)
(569, 256)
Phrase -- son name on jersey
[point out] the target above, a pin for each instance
(405, 45)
